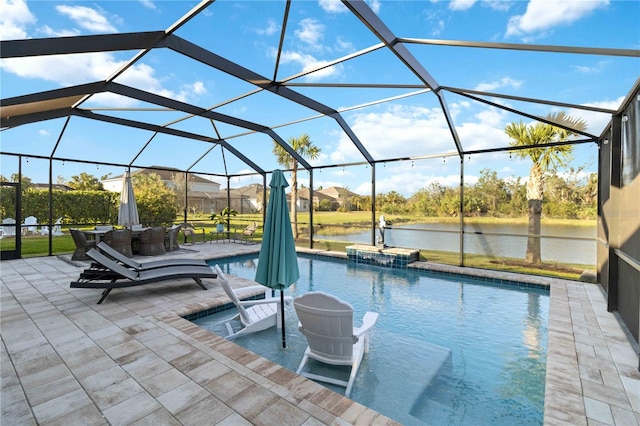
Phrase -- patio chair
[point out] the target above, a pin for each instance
(103, 227)
(254, 315)
(120, 240)
(30, 225)
(56, 229)
(116, 275)
(82, 245)
(9, 227)
(151, 241)
(171, 238)
(247, 233)
(107, 250)
(189, 230)
(327, 323)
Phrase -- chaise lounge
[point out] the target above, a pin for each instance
(115, 275)
(106, 249)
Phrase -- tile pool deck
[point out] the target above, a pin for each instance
(133, 360)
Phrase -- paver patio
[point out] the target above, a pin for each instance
(134, 360)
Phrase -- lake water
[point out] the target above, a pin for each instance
(560, 243)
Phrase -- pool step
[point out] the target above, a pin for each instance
(392, 257)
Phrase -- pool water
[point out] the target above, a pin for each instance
(445, 350)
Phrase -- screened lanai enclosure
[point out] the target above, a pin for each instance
(408, 125)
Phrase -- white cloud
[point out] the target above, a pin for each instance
(497, 4)
(14, 18)
(148, 4)
(397, 131)
(543, 15)
(503, 82)
(270, 28)
(374, 5)
(47, 31)
(461, 4)
(198, 88)
(310, 62)
(438, 28)
(187, 93)
(405, 131)
(592, 69)
(344, 46)
(336, 6)
(87, 18)
(332, 6)
(70, 70)
(310, 32)
(408, 180)
(65, 70)
(43, 132)
(596, 121)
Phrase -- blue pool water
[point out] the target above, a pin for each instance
(445, 350)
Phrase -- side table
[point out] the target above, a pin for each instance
(226, 235)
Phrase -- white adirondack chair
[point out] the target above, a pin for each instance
(31, 225)
(56, 229)
(8, 227)
(327, 323)
(254, 315)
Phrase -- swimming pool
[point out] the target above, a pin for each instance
(445, 350)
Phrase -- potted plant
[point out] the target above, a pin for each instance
(223, 218)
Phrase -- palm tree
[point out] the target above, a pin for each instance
(544, 159)
(306, 149)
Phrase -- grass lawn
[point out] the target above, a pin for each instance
(566, 271)
(36, 245)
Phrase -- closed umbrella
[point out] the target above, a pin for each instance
(128, 212)
(278, 261)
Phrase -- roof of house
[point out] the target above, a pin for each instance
(57, 186)
(165, 174)
(337, 192)
(317, 195)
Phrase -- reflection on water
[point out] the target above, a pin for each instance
(479, 240)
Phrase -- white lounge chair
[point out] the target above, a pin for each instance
(254, 315)
(115, 275)
(152, 264)
(327, 323)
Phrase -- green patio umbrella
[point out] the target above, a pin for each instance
(278, 261)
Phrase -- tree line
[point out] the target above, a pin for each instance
(89, 203)
(567, 196)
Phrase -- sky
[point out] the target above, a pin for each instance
(409, 125)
